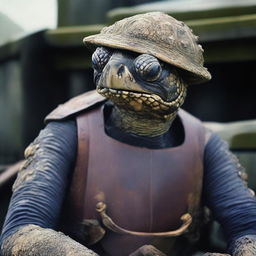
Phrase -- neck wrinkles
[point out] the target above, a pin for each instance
(142, 125)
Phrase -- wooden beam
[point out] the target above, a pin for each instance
(10, 172)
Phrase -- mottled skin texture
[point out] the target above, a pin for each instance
(34, 240)
(145, 92)
(246, 246)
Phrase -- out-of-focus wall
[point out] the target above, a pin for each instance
(10, 128)
(81, 12)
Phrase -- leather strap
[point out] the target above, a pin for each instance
(78, 104)
(111, 225)
(78, 186)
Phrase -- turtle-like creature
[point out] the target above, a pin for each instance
(123, 170)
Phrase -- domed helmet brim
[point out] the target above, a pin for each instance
(193, 73)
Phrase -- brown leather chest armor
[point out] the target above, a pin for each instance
(145, 190)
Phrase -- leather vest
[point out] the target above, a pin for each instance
(145, 190)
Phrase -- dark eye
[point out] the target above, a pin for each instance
(148, 67)
(100, 58)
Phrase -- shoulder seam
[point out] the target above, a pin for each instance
(76, 105)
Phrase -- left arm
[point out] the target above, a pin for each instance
(228, 197)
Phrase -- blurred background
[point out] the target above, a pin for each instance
(43, 63)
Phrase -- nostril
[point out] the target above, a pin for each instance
(120, 70)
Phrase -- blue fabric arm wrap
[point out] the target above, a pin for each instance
(41, 184)
(225, 192)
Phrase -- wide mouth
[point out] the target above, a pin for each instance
(147, 99)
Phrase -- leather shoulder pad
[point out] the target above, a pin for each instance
(75, 105)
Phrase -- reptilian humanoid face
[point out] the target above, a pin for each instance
(138, 82)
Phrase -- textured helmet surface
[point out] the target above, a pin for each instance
(160, 35)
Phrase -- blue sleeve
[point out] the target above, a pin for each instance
(225, 193)
(40, 187)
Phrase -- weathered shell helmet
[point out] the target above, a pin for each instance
(160, 35)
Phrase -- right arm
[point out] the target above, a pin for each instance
(38, 194)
